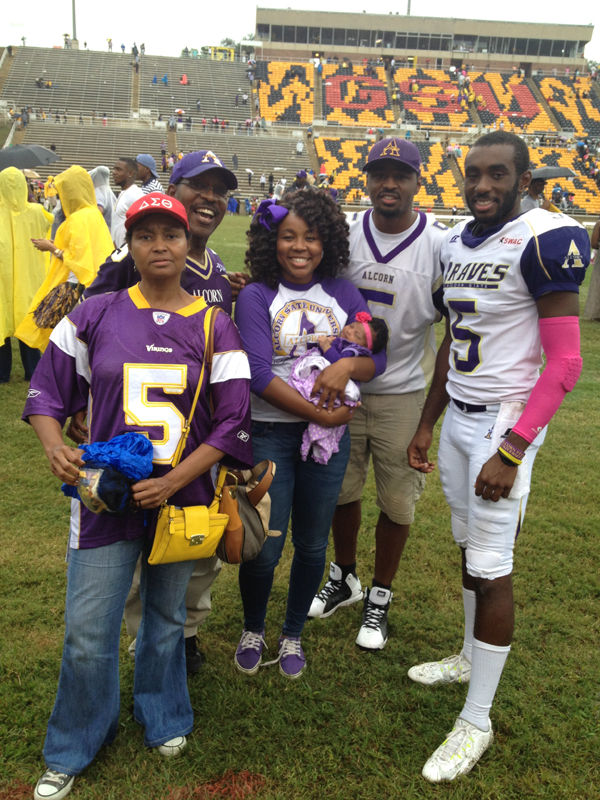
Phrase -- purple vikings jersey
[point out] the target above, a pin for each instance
(208, 280)
(137, 369)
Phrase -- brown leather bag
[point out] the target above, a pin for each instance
(247, 503)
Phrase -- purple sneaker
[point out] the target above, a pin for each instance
(291, 657)
(249, 652)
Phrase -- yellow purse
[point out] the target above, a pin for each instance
(191, 532)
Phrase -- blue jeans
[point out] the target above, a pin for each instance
(86, 711)
(309, 491)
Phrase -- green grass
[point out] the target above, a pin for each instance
(353, 727)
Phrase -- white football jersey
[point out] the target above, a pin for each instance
(397, 275)
(491, 284)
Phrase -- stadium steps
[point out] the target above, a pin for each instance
(535, 91)
(476, 119)
(458, 177)
(318, 79)
(6, 67)
(172, 145)
(135, 90)
(394, 104)
(311, 152)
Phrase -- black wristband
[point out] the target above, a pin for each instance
(506, 460)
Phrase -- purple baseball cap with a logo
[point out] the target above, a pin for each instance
(394, 149)
(201, 161)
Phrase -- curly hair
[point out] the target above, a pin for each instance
(320, 212)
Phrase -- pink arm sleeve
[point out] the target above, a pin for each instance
(560, 340)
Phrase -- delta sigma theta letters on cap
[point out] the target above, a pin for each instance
(156, 203)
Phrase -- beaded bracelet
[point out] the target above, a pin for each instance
(510, 452)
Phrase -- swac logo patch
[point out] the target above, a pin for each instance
(573, 258)
(507, 240)
(160, 317)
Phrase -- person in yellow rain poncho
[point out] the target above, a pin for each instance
(50, 192)
(22, 269)
(82, 244)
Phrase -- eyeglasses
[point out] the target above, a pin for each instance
(203, 190)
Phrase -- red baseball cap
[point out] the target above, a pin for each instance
(156, 203)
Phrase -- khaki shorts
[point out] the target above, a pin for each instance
(383, 427)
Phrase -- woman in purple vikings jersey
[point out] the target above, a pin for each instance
(296, 251)
(138, 352)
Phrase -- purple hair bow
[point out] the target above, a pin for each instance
(269, 213)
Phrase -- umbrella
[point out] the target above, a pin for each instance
(30, 173)
(179, 111)
(26, 156)
(547, 173)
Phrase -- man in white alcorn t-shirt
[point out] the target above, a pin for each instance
(124, 175)
(510, 290)
(394, 261)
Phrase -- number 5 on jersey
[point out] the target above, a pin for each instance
(138, 379)
(462, 333)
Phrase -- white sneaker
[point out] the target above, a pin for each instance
(336, 593)
(373, 633)
(455, 669)
(53, 785)
(460, 752)
(173, 747)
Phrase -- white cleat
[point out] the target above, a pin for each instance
(455, 669)
(172, 748)
(462, 749)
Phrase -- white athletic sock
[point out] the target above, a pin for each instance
(469, 606)
(486, 668)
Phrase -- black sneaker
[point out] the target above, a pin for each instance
(336, 593)
(193, 656)
(373, 633)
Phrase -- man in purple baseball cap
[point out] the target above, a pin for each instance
(394, 261)
(301, 183)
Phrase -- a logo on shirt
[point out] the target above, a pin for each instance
(475, 275)
(489, 433)
(243, 436)
(573, 259)
(33, 393)
(455, 238)
(152, 349)
(300, 323)
(508, 240)
(160, 317)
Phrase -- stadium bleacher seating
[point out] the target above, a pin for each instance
(586, 197)
(573, 113)
(287, 91)
(214, 83)
(345, 159)
(83, 81)
(509, 100)
(351, 97)
(436, 100)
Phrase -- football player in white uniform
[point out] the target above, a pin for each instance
(394, 262)
(510, 290)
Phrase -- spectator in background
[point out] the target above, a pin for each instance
(105, 197)
(271, 183)
(22, 268)
(81, 244)
(124, 175)
(165, 79)
(263, 183)
(143, 49)
(146, 172)
(534, 197)
(122, 48)
(250, 174)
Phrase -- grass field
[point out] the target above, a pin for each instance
(353, 727)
